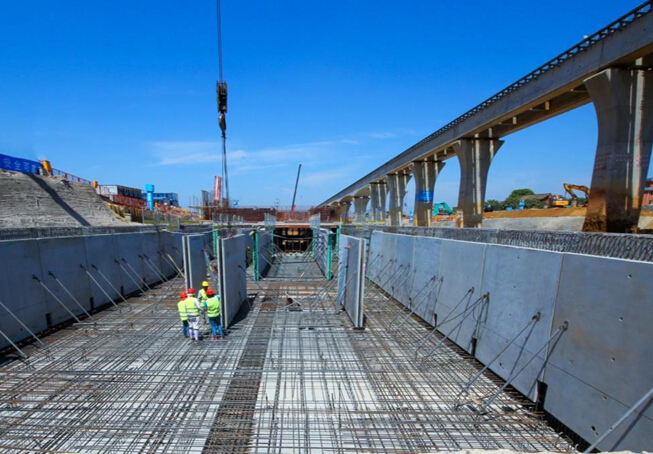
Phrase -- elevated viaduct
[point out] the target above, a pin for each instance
(610, 68)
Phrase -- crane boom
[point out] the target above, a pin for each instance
(292, 207)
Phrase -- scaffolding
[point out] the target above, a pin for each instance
(289, 378)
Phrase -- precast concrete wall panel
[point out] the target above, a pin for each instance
(461, 269)
(320, 239)
(173, 247)
(129, 248)
(149, 248)
(100, 250)
(22, 295)
(233, 276)
(351, 278)
(601, 365)
(165, 245)
(264, 241)
(194, 261)
(374, 258)
(62, 257)
(520, 282)
(400, 286)
(426, 281)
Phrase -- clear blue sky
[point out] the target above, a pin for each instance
(124, 91)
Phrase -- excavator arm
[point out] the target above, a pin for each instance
(569, 188)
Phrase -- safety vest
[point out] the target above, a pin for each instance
(213, 306)
(181, 307)
(202, 295)
(191, 308)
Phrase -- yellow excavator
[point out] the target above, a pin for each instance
(574, 198)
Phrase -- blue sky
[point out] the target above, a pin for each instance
(124, 91)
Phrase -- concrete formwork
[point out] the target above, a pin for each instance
(62, 257)
(128, 248)
(100, 253)
(601, 366)
(520, 283)
(594, 372)
(264, 240)
(460, 306)
(150, 247)
(351, 278)
(233, 276)
(195, 269)
(22, 295)
(427, 277)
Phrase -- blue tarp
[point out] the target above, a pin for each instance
(19, 164)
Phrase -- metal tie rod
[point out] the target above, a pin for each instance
(422, 299)
(466, 312)
(625, 416)
(70, 294)
(110, 285)
(136, 273)
(170, 260)
(23, 325)
(55, 297)
(562, 328)
(444, 320)
(130, 276)
(533, 319)
(153, 267)
(20, 352)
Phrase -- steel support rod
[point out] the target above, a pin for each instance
(533, 319)
(106, 279)
(625, 416)
(70, 294)
(136, 274)
(562, 328)
(23, 325)
(55, 297)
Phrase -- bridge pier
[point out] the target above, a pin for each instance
(475, 157)
(397, 187)
(360, 205)
(379, 192)
(623, 100)
(426, 172)
(344, 211)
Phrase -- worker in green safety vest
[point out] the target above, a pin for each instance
(212, 305)
(193, 308)
(181, 307)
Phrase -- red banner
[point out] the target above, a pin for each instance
(217, 189)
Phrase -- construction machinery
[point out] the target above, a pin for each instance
(294, 195)
(574, 198)
(558, 201)
(441, 208)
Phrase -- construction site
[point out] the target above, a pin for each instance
(131, 323)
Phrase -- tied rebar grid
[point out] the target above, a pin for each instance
(292, 378)
(329, 388)
(130, 384)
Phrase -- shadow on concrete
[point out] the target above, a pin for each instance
(59, 201)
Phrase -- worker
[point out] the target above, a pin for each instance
(182, 313)
(202, 293)
(202, 297)
(193, 309)
(212, 305)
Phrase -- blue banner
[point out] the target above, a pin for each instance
(424, 196)
(19, 164)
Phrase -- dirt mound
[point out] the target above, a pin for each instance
(34, 201)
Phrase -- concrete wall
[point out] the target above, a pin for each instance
(233, 276)
(351, 279)
(62, 256)
(195, 268)
(484, 295)
(264, 256)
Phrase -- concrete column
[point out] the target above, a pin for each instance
(397, 187)
(623, 100)
(379, 194)
(360, 205)
(344, 211)
(426, 172)
(475, 156)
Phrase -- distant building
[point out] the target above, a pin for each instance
(165, 198)
(116, 189)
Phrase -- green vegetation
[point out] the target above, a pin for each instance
(513, 200)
